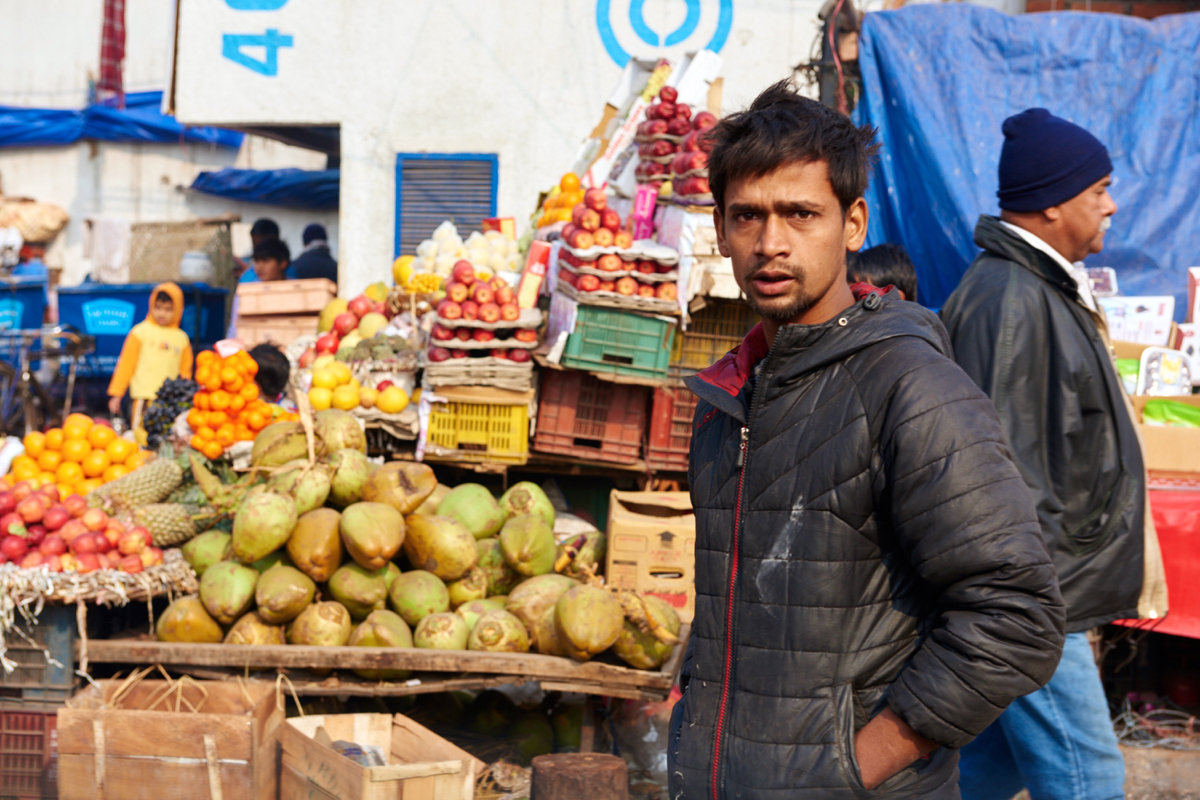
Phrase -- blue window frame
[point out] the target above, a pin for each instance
(432, 187)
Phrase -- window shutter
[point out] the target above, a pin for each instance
(431, 188)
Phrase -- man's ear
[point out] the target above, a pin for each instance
(854, 225)
(1052, 214)
(719, 224)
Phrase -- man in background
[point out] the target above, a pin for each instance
(315, 261)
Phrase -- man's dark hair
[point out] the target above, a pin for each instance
(782, 127)
(273, 248)
(273, 370)
(884, 265)
(264, 229)
(161, 296)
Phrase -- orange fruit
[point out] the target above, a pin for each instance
(196, 442)
(569, 182)
(136, 459)
(49, 460)
(212, 380)
(212, 450)
(95, 463)
(249, 365)
(54, 439)
(76, 450)
(215, 419)
(45, 478)
(205, 358)
(25, 467)
(243, 433)
(114, 472)
(100, 435)
(79, 418)
(69, 472)
(200, 400)
(76, 428)
(119, 450)
(86, 487)
(237, 402)
(206, 433)
(195, 418)
(35, 443)
(229, 375)
(249, 392)
(226, 434)
(256, 420)
(220, 400)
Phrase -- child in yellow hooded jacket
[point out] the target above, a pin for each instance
(154, 351)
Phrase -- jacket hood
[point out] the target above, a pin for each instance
(994, 237)
(176, 301)
(876, 316)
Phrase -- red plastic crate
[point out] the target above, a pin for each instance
(28, 754)
(585, 417)
(670, 429)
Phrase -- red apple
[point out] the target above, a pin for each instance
(448, 309)
(75, 505)
(51, 493)
(499, 352)
(623, 239)
(327, 343)
(379, 387)
(518, 356)
(581, 240)
(567, 230)
(52, 545)
(359, 307)
(32, 559)
(609, 218)
(463, 272)
(577, 215)
(526, 335)
(132, 563)
(3, 558)
(683, 111)
(95, 519)
(35, 534)
(87, 562)
(440, 333)
(21, 490)
(703, 121)
(32, 508)
(470, 309)
(645, 290)
(71, 530)
(484, 293)
(607, 286)
(463, 334)
(55, 517)
(595, 199)
(12, 524)
(13, 547)
(505, 295)
(54, 563)
(381, 308)
(482, 335)
(86, 542)
(667, 291)
(103, 543)
(8, 503)
(610, 262)
(438, 354)
(566, 276)
(345, 322)
(590, 221)
(668, 94)
(307, 358)
(678, 127)
(604, 237)
(652, 127)
(510, 312)
(663, 269)
(458, 291)
(489, 312)
(458, 354)
(647, 267)
(627, 285)
(588, 283)
(663, 147)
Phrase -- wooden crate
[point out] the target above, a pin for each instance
(278, 329)
(307, 296)
(142, 749)
(421, 765)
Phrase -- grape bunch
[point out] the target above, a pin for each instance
(174, 398)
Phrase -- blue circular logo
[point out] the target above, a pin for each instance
(690, 32)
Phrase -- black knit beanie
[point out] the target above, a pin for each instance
(1046, 160)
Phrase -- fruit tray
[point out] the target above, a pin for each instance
(644, 277)
(643, 250)
(624, 302)
(530, 318)
(102, 587)
(494, 344)
(498, 372)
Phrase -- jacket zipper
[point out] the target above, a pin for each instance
(733, 571)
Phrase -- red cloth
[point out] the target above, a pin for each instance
(112, 51)
(1177, 519)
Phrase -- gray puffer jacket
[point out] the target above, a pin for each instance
(863, 540)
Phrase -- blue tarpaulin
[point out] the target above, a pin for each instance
(938, 81)
(294, 188)
(139, 121)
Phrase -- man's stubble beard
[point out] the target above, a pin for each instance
(785, 314)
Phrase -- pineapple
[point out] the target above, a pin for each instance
(169, 523)
(151, 483)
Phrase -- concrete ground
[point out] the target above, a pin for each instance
(1160, 774)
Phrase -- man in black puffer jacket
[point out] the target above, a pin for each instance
(871, 586)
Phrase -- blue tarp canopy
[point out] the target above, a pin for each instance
(139, 121)
(295, 188)
(938, 81)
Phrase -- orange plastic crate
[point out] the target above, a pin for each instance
(28, 754)
(670, 434)
(588, 418)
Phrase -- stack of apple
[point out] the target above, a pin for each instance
(40, 528)
(342, 325)
(472, 299)
(668, 123)
(594, 224)
(689, 168)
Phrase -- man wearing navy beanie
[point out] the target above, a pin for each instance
(1026, 328)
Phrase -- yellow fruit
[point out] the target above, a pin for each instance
(341, 372)
(402, 270)
(35, 443)
(392, 400)
(345, 398)
(100, 435)
(322, 361)
(320, 397)
(77, 426)
(377, 291)
(335, 306)
(367, 397)
(325, 378)
(416, 395)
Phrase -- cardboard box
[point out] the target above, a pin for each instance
(277, 329)
(651, 546)
(308, 296)
(420, 764)
(146, 743)
(1169, 448)
(1146, 320)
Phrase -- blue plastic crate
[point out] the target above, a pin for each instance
(45, 661)
(109, 311)
(22, 306)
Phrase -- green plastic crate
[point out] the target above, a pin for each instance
(607, 340)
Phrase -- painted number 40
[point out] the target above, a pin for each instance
(235, 45)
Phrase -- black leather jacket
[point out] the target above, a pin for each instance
(1021, 332)
(863, 540)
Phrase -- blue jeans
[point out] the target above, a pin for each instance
(1057, 742)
